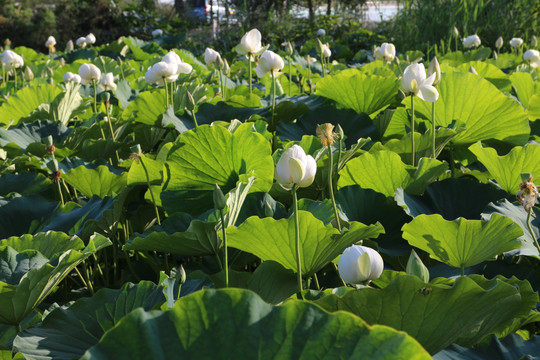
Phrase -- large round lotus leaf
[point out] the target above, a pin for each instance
(237, 324)
(507, 169)
(384, 172)
(474, 102)
(461, 242)
(212, 155)
(100, 181)
(271, 239)
(533, 110)
(68, 333)
(25, 101)
(47, 243)
(438, 314)
(358, 91)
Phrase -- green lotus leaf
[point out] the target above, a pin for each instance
(451, 198)
(73, 217)
(384, 172)
(438, 314)
(489, 72)
(234, 323)
(137, 174)
(273, 283)
(66, 333)
(507, 169)
(271, 239)
(100, 181)
(25, 101)
(533, 109)
(67, 104)
(18, 300)
(29, 133)
(199, 239)
(212, 155)
(423, 144)
(24, 183)
(517, 213)
(494, 348)
(472, 101)
(461, 243)
(358, 91)
(524, 86)
(147, 107)
(48, 243)
(23, 214)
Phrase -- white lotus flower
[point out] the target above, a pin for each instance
(516, 42)
(211, 57)
(51, 41)
(250, 44)
(157, 33)
(89, 73)
(69, 46)
(321, 32)
(12, 60)
(295, 168)
(325, 50)
(107, 82)
(414, 82)
(434, 68)
(499, 43)
(182, 67)
(90, 38)
(471, 41)
(378, 53)
(387, 52)
(358, 264)
(269, 62)
(69, 76)
(151, 77)
(532, 57)
(81, 42)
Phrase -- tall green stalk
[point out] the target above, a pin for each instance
(272, 125)
(250, 74)
(166, 93)
(226, 253)
(331, 187)
(433, 130)
(290, 75)
(94, 84)
(413, 154)
(150, 189)
(297, 243)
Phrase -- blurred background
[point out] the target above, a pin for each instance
(350, 25)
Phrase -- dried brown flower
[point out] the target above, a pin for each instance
(326, 134)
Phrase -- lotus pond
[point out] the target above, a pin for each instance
(157, 203)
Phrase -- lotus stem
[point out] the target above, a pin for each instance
(194, 118)
(331, 186)
(94, 83)
(172, 94)
(15, 77)
(60, 192)
(462, 270)
(433, 130)
(316, 280)
(273, 127)
(225, 255)
(220, 84)
(113, 137)
(290, 75)
(530, 227)
(166, 94)
(150, 189)
(413, 154)
(297, 243)
(249, 74)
